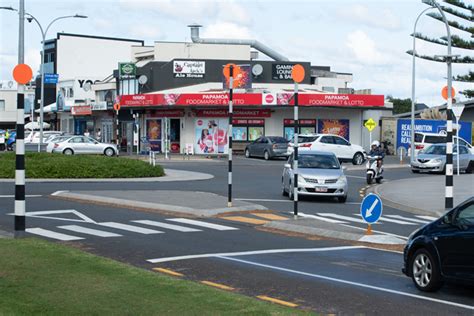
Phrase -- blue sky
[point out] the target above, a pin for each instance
(366, 38)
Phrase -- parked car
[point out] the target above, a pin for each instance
(319, 174)
(3, 140)
(51, 141)
(433, 159)
(83, 145)
(267, 147)
(343, 149)
(424, 140)
(442, 250)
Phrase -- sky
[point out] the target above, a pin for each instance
(367, 38)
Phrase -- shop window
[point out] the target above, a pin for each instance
(247, 130)
(2, 105)
(306, 127)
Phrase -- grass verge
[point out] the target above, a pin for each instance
(38, 277)
(57, 166)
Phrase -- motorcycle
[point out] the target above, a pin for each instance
(374, 172)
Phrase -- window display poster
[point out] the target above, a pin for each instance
(255, 132)
(307, 130)
(289, 133)
(336, 127)
(211, 136)
(153, 129)
(239, 133)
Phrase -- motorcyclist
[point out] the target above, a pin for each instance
(376, 150)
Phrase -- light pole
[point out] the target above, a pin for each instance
(412, 144)
(449, 139)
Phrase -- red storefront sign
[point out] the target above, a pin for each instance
(79, 110)
(165, 113)
(237, 113)
(339, 100)
(190, 99)
(248, 122)
(301, 122)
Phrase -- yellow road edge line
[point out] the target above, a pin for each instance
(244, 219)
(271, 216)
(276, 301)
(219, 286)
(167, 271)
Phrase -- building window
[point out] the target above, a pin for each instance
(247, 130)
(2, 105)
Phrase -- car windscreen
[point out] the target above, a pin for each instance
(418, 138)
(306, 139)
(279, 140)
(435, 150)
(432, 139)
(318, 162)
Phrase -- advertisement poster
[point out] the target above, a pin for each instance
(335, 127)
(289, 133)
(430, 126)
(244, 81)
(239, 133)
(255, 132)
(211, 136)
(189, 69)
(153, 130)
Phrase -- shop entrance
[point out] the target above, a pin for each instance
(174, 135)
(126, 143)
(106, 131)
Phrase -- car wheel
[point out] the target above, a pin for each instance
(358, 159)
(342, 199)
(425, 271)
(109, 152)
(68, 152)
(247, 153)
(266, 155)
(283, 190)
(470, 167)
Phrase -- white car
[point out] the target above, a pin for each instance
(34, 136)
(344, 150)
(73, 145)
(424, 140)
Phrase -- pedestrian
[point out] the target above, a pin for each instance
(98, 135)
(86, 133)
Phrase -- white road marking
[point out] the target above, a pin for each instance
(89, 231)
(39, 214)
(130, 228)
(377, 231)
(347, 218)
(201, 224)
(28, 196)
(265, 200)
(249, 253)
(430, 218)
(372, 287)
(408, 219)
(58, 192)
(396, 221)
(334, 221)
(168, 226)
(51, 234)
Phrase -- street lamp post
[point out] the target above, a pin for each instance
(449, 139)
(412, 144)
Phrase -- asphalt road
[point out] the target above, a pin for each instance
(325, 276)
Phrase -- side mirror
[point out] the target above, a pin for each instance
(287, 165)
(447, 219)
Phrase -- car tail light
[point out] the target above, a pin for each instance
(56, 145)
(307, 145)
(419, 146)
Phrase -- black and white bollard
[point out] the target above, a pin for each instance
(231, 85)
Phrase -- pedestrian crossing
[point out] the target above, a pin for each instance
(116, 229)
(334, 218)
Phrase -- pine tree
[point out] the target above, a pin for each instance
(461, 11)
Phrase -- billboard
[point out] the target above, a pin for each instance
(244, 81)
(335, 127)
(210, 136)
(153, 134)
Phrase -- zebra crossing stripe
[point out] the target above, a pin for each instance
(408, 219)
(347, 218)
(201, 224)
(89, 231)
(130, 228)
(430, 218)
(396, 221)
(51, 234)
(168, 226)
(324, 219)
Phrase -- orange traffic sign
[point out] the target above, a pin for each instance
(297, 73)
(444, 92)
(22, 73)
(235, 71)
(116, 106)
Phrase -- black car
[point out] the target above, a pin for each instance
(267, 147)
(442, 250)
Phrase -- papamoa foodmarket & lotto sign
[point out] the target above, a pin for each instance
(127, 70)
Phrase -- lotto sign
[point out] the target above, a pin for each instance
(370, 124)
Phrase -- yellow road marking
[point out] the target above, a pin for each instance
(276, 301)
(167, 271)
(245, 220)
(219, 286)
(272, 217)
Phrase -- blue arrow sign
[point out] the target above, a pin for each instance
(371, 208)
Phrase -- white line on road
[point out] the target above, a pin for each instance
(334, 221)
(396, 221)
(265, 200)
(347, 218)
(430, 218)
(377, 231)
(39, 214)
(201, 224)
(130, 228)
(51, 234)
(28, 196)
(377, 288)
(89, 231)
(58, 192)
(248, 253)
(168, 226)
(408, 219)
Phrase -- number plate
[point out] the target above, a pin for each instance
(320, 189)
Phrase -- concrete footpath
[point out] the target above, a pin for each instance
(171, 201)
(424, 195)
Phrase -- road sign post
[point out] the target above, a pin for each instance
(371, 210)
(117, 108)
(457, 111)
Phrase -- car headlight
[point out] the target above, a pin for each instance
(342, 179)
(436, 160)
(301, 180)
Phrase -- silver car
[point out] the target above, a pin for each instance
(82, 145)
(433, 159)
(319, 174)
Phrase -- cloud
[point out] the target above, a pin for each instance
(364, 50)
(226, 30)
(384, 18)
(230, 11)
(145, 32)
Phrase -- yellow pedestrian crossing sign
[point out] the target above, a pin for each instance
(370, 124)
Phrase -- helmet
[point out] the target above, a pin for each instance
(375, 143)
